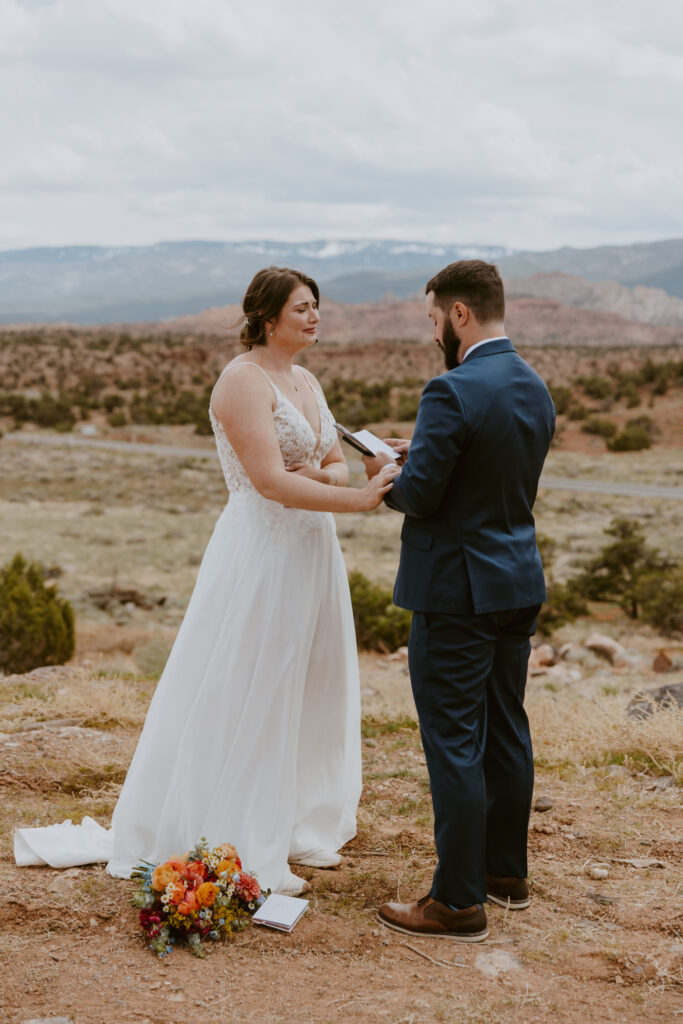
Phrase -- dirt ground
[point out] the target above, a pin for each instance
(587, 950)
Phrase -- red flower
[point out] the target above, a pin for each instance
(247, 888)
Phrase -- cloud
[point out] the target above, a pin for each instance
(524, 124)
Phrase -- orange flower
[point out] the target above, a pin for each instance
(163, 875)
(195, 872)
(230, 853)
(189, 903)
(206, 894)
(227, 865)
(177, 892)
(177, 863)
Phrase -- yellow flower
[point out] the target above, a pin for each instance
(206, 894)
(226, 865)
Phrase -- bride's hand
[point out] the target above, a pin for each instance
(303, 469)
(375, 489)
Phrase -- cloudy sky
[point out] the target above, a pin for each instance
(532, 124)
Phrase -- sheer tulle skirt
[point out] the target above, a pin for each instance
(253, 734)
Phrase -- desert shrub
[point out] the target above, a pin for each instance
(645, 423)
(48, 411)
(562, 397)
(36, 625)
(185, 407)
(117, 418)
(578, 411)
(380, 625)
(630, 393)
(662, 600)
(407, 407)
(596, 386)
(627, 570)
(599, 425)
(356, 402)
(113, 401)
(565, 601)
(564, 604)
(632, 438)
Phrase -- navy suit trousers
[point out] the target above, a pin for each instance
(468, 674)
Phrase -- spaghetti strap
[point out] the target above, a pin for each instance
(245, 362)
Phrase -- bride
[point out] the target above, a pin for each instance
(252, 736)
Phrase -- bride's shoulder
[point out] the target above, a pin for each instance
(241, 380)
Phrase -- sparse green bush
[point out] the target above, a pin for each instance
(645, 423)
(599, 425)
(356, 403)
(562, 397)
(36, 626)
(113, 401)
(627, 570)
(380, 625)
(117, 419)
(631, 439)
(662, 600)
(564, 602)
(578, 411)
(407, 407)
(596, 386)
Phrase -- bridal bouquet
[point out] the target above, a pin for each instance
(204, 895)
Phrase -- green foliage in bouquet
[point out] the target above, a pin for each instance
(203, 895)
(380, 625)
(36, 625)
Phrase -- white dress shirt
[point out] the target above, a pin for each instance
(485, 341)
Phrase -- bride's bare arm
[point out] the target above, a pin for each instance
(244, 401)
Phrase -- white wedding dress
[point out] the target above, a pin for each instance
(253, 734)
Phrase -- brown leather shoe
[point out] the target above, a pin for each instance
(512, 893)
(431, 919)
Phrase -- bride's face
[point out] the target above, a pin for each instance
(297, 324)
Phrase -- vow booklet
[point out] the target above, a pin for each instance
(281, 912)
(365, 442)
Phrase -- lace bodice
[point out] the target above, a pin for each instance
(296, 437)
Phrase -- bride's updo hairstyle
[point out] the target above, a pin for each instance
(265, 298)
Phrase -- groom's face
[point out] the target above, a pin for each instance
(445, 334)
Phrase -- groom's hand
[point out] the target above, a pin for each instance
(400, 446)
(373, 463)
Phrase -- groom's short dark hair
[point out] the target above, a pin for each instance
(473, 282)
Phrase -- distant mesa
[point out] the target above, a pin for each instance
(641, 283)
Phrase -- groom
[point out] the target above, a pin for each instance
(471, 572)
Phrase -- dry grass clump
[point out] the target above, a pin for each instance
(79, 699)
(593, 732)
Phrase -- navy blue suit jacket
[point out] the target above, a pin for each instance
(468, 543)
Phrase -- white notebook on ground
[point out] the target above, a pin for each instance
(281, 912)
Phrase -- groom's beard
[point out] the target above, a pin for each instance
(450, 343)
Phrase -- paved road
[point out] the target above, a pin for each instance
(549, 483)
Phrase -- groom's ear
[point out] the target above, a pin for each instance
(459, 314)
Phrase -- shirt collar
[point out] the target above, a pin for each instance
(484, 341)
